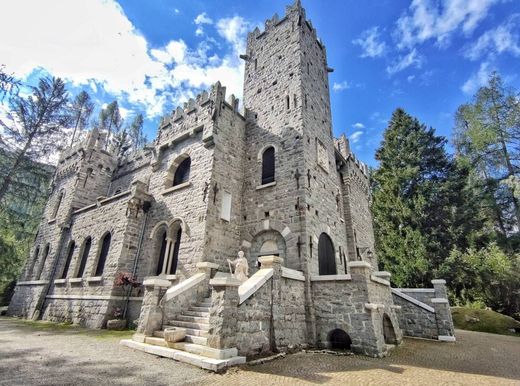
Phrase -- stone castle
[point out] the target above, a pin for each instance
(270, 181)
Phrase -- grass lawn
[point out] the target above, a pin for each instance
(484, 321)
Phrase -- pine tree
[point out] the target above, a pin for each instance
(80, 111)
(411, 201)
(110, 120)
(136, 132)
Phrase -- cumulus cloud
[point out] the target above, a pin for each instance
(370, 44)
(439, 19)
(94, 44)
(504, 38)
(340, 86)
(358, 125)
(234, 30)
(405, 61)
(356, 136)
(203, 19)
(477, 79)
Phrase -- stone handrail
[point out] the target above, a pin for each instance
(254, 283)
(413, 300)
(183, 286)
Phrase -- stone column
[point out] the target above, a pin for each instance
(151, 317)
(224, 312)
(442, 308)
(167, 253)
(278, 314)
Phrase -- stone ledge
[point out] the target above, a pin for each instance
(227, 281)
(184, 286)
(95, 279)
(60, 281)
(254, 283)
(75, 280)
(32, 282)
(176, 187)
(206, 264)
(156, 282)
(425, 290)
(379, 280)
(292, 274)
(383, 274)
(413, 300)
(374, 306)
(260, 187)
(358, 264)
(438, 281)
(92, 297)
(51, 221)
(439, 301)
(331, 277)
(446, 338)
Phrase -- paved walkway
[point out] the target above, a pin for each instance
(32, 355)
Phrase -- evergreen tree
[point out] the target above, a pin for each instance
(136, 132)
(80, 111)
(411, 201)
(110, 120)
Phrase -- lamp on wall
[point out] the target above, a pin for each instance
(364, 251)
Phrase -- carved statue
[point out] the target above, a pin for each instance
(241, 267)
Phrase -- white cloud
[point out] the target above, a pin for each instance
(102, 49)
(403, 62)
(439, 19)
(356, 136)
(410, 78)
(234, 30)
(203, 19)
(176, 11)
(504, 38)
(199, 31)
(358, 125)
(369, 42)
(477, 79)
(340, 86)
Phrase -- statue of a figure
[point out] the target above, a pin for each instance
(241, 267)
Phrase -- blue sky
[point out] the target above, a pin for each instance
(426, 56)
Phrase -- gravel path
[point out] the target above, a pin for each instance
(31, 355)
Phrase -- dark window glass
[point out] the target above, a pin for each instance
(268, 166)
(84, 256)
(326, 256)
(105, 246)
(175, 256)
(182, 174)
(69, 259)
(162, 252)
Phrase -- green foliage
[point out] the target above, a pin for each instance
(484, 320)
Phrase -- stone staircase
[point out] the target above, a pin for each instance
(193, 349)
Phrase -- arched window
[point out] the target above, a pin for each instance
(70, 252)
(326, 256)
(84, 256)
(57, 206)
(182, 174)
(268, 165)
(42, 264)
(105, 246)
(162, 253)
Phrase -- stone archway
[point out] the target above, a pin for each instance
(265, 243)
(388, 330)
(339, 339)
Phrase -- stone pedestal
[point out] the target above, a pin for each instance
(151, 318)
(442, 308)
(224, 312)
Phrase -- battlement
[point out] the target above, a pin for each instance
(342, 146)
(195, 113)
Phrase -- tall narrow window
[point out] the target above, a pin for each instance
(57, 206)
(175, 254)
(256, 64)
(162, 253)
(287, 102)
(268, 166)
(42, 264)
(182, 174)
(295, 101)
(84, 256)
(326, 256)
(70, 252)
(105, 246)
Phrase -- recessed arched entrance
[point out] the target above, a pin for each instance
(388, 330)
(326, 256)
(339, 340)
(266, 243)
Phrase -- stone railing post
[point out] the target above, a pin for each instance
(151, 317)
(442, 308)
(223, 318)
(278, 316)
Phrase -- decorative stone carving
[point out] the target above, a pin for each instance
(241, 271)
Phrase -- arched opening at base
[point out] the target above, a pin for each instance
(339, 339)
(388, 330)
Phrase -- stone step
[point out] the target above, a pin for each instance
(194, 319)
(200, 314)
(155, 340)
(193, 325)
(207, 305)
(206, 351)
(199, 309)
(193, 331)
(189, 338)
(211, 364)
